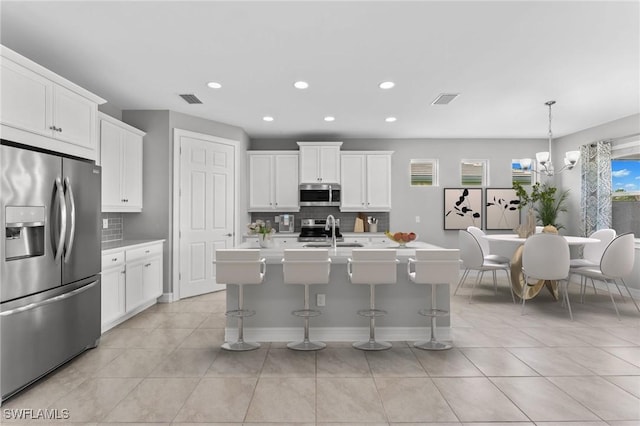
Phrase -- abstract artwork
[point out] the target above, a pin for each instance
(501, 209)
(462, 208)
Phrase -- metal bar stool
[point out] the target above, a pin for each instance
(372, 267)
(434, 267)
(240, 267)
(306, 267)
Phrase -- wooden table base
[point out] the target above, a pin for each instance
(518, 282)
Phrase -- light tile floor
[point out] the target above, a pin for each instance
(165, 367)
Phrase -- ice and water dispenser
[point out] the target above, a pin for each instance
(24, 232)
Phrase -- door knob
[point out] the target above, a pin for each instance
(228, 235)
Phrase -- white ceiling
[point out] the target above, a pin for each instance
(504, 58)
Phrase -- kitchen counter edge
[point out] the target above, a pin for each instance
(110, 247)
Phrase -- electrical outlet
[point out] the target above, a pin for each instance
(320, 299)
(417, 219)
(105, 223)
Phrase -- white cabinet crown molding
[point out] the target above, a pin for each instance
(7, 53)
(106, 117)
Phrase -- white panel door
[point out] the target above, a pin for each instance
(329, 164)
(111, 159)
(286, 182)
(261, 182)
(206, 211)
(26, 99)
(74, 117)
(132, 170)
(353, 182)
(309, 164)
(379, 182)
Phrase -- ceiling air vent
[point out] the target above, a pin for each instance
(445, 98)
(190, 99)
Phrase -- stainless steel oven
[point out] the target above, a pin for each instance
(319, 194)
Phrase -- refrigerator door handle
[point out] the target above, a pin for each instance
(63, 220)
(35, 305)
(72, 232)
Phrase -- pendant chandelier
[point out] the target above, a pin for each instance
(545, 166)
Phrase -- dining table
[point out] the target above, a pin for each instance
(518, 284)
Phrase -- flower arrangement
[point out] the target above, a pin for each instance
(261, 227)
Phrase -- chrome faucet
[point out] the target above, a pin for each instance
(334, 242)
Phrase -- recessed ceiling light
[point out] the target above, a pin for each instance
(301, 84)
(267, 118)
(390, 119)
(214, 85)
(386, 85)
(329, 118)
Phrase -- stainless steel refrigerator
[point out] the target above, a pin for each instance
(49, 262)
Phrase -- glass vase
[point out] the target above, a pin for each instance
(265, 240)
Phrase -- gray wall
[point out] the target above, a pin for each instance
(155, 220)
(427, 202)
(572, 180)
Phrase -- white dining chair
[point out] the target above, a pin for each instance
(591, 256)
(240, 267)
(486, 247)
(615, 264)
(473, 260)
(544, 257)
(434, 267)
(306, 267)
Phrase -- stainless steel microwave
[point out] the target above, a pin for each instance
(319, 194)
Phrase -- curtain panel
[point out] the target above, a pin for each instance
(595, 201)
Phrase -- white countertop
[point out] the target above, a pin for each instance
(340, 254)
(113, 246)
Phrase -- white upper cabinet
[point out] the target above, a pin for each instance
(273, 181)
(366, 181)
(121, 161)
(320, 162)
(41, 109)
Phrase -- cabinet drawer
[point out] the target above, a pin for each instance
(147, 251)
(112, 260)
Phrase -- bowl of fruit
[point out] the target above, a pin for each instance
(401, 238)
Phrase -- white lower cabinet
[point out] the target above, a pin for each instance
(113, 287)
(131, 282)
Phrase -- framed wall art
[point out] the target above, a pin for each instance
(462, 208)
(501, 209)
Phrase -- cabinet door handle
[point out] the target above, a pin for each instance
(147, 251)
(60, 129)
(228, 235)
(123, 272)
(52, 127)
(147, 265)
(115, 259)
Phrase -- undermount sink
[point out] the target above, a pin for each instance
(328, 245)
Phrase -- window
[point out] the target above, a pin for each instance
(424, 172)
(473, 173)
(520, 174)
(625, 187)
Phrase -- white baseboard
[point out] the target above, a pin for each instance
(130, 314)
(166, 298)
(335, 334)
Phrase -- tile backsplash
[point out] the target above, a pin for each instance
(347, 219)
(114, 231)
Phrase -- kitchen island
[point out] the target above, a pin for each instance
(273, 302)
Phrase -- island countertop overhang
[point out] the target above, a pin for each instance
(339, 255)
